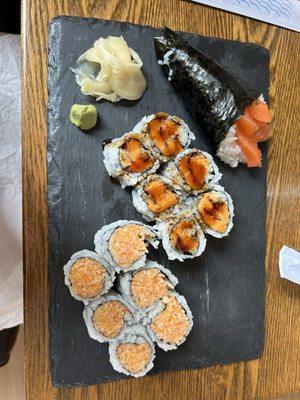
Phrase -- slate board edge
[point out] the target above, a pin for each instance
(53, 172)
(174, 369)
(96, 20)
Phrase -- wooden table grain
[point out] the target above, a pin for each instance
(278, 371)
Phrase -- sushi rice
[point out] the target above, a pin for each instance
(218, 192)
(185, 135)
(172, 172)
(103, 237)
(113, 162)
(125, 316)
(138, 344)
(172, 323)
(152, 285)
(140, 198)
(166, 227)
(108, 277)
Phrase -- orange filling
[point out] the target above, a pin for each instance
(251, 128)
(127, 244)
(87, 277)
(134, 157)
(172, 324)
(134, 356)
(149, 286)
(194, 168)
(108, 318)
(161, 198)
(164, 132)
(184, 237)
(214, 212)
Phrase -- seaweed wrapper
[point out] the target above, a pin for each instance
(215, 96)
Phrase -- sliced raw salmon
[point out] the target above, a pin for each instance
(260, 111)
(249, 148)
(263, 133)
(247, 124)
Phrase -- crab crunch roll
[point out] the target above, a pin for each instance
(88, 276)
(107, 317)
(128, 160)
(167, 135)
(134, 353)
(215, 212)
(124, 244)
(193, 170)
(182, 236)
(155, 197)
(234, 117)
(146, 286)
(170, 322)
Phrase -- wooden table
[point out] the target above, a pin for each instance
(278, 371)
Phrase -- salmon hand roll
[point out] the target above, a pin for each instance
(128, 160)
(88, 276)
(107, 317)
(124, 244)
(166, 135)
(134, 353)
(170, 322)
(193, 171)
(155, 197)
(144, 287)
(215, 212)
(182, 236)
(234, 116)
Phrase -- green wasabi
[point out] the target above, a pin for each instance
(84, 116)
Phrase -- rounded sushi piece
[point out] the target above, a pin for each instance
(88, 276)
(124, 244)
(155, 197)
(193, 170)
(144, 287)
(170, 322)
(167, 135)
(134, 353)
(182, 236)
(215, 212)
(128, 160)
(107, 317)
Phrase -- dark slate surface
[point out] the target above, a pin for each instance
(225, 287)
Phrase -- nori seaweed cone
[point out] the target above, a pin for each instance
(214, 95)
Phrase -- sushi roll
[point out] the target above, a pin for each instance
(88, 276)
(215, 211)
(107, 317)
(170, 322)
(124, 244)
(155, 197)
(134, 353)
(166, 135)
(128, 160)
(235, 117)
(144, 287)
(193, 170)
(182, 236)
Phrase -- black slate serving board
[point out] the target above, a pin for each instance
(224, 287)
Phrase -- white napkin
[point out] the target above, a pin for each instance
(289, 264)
(11, 286)
(284, 13)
